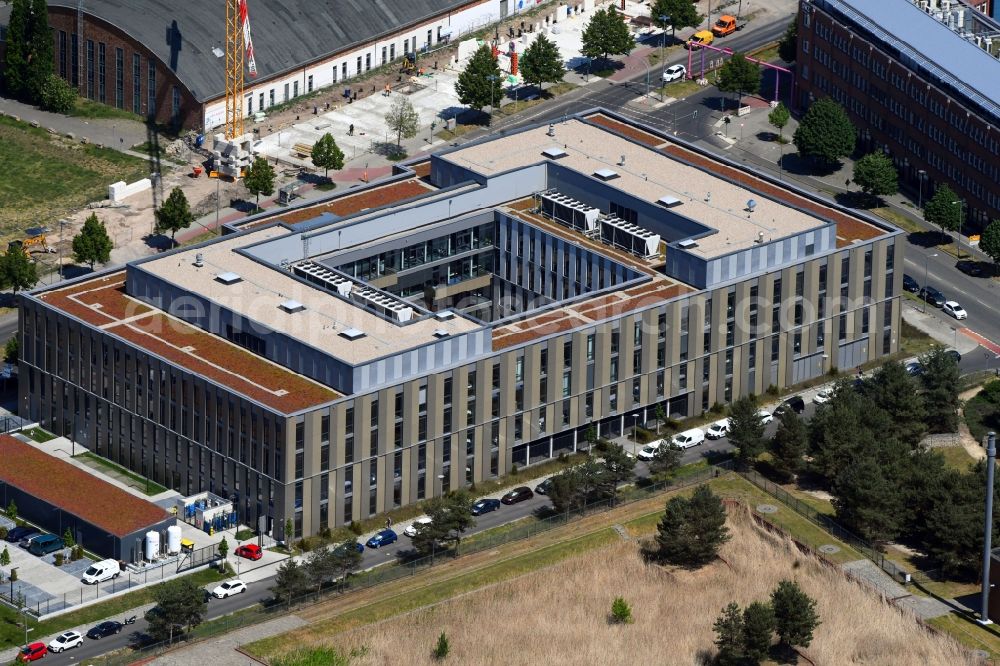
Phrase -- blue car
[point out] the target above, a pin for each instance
(485, 506)
(345, 546)
(383, 538)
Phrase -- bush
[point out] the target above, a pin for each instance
(13, 575)
(76, 553)
(5, 557)
(356, 527)
(442, 648)
(59, 558)
(68, 538)
(3, 532)
(621, 612)
(513, 470)
(718, 408)
(243, 535)
(57, 95)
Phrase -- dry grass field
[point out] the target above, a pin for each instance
(559, 615)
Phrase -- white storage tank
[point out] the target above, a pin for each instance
(152, 545)
(174, 539)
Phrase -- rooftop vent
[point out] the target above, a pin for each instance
(751, 204)
(552, 130)
(444, 315)
(290, 306)
(554, 153)
(606, 174)
(217, 52)
(199, 260)
(687, 244)
(441, 333)
(760, 236)
(228, 278)
(668, 201)
(352, 334)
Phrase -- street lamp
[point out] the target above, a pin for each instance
(663, 66)
(635, 427)
(921, 175)
(927, 259)
(492, 78)
(961, 216)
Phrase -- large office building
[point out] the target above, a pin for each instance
(918, 85)
(479, 309)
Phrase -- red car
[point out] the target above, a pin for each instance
(251, 551)
(33, 652)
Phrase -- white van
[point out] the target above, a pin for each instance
(101, 571)
(689, 438)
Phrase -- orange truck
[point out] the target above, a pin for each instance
(726, 25)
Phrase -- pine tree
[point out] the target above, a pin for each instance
(940, 381)
(869, 495)
(739, 75)
(758, 631)
(788, 446)
(174, 215)
(746, 430)
(606, 34)
(729, 636)
(17, 270)
(5, 557)
(326, 155)
(621, 612)
(825, 133)
(942, 209)
(402, 119)
(795, 617)
(42, 48)
(542, 63)
(876, 175)
(291, 581)
(442, 648)
(18, 49)
(92, 245)
(666, 459)
(480, 84)
(893, 390)
(259, 179)
(691, 531)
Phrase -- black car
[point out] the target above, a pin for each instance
(104, 629)
(910, 285)
(971, 268)
(932, 296)
(19, 533)
(543, 487)
(795, 403)
(519, 494)
(485, 506)
(952, 353)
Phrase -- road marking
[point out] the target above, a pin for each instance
(981, 339)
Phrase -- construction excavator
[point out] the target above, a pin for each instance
(34, 241)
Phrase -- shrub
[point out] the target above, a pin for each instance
(3, 532)
(59, 558)
(243, 535)
(442, 648)
(57, 95)
(513, 470)
(772, 390)
(356, 527)
(12, 510)
(68, 538)
(718, 408)
(4, 557)
(621, 612)
(13, 575)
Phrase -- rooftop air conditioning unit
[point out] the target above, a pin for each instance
(199, 260)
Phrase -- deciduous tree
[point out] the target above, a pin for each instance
(739, 75)
(680, 14)
(223, 548)
(876, 175)
(259, 179)
(795, 617)
(92, 245)
(326, 155)
(825, 133)
(746, 430)
(778, 118)
(180, 604)
(606, 34)
(450, 515)
(402, 119)
(942, 209)
(17, 270)
(12, 350)
(542, 63)
(480, 84)
(174, 215)
(788, 47)
(989, 241)
(691, 531)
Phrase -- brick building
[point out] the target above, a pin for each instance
(914, 88)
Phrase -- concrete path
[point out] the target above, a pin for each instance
(923, 607)
(117, 133)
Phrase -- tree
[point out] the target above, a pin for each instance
(17, 270)
(92, 245)
(842, 429)
(691, 531)
(402, 119)
(18, 48)
(896, 392)
(223, 548)
(57, 96)
(480, 84)
(746, 430)
(876, 175)
(739, 75)
(41, 62)
(12, 510)
(606, 34)
(795, 616)
(259, 179)
(68, 539)
(621, 612)
(869, 494)
(620, 466)
(174, 214)
(542, 63)
(326, 155)
(660, 414)
(728, 629)
(442, 648)
(180, 604)
(952, 533)
(758, 631)
(940, 381)
(320, 566)
(451, 516)
(666, 459)
(290, 582)
(779, 117)
(788, 446)
(989, 241)
(289, 533)
(825, 133)
(12, 350)
(679, 13)
(5, 557)
(942, 210)
(788, 47)
(346, 558)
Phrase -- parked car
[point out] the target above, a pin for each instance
(765, 416)
(45, 544)
(932, 296)
(824, 396)
(98, 572)
(519, 494)
(954, 309)
(971, 268)
(913, 368)
(543, 487)
(910, 285)
(689, 438)
(954, 354)
(26, 541)
(383, 538)
(250, 551)
(32, 652)
(24, 532)
(229, 588)
(718, 430)
(414, 527)
(66, 641)
(649, 451)
(107, 628)
(794, 403)
(479, 507)
(674, 72)
(342, 548)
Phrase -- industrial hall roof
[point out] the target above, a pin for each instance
(286, 34)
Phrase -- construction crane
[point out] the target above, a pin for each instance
(239, 57)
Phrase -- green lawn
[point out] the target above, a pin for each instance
(39, 435)
(970, 633)
(85, 108)
(147, 486)
(956, 457)
(45, 176)
(913, 341)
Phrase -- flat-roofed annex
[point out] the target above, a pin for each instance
(647, 174)
(262, 290)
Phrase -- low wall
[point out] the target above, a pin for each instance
(120, 190)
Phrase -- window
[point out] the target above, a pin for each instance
(309, 83)
(62, 53)
(90, 69)
(175, 108)
(120, 78)
(392, 51)
(406, 46)
(285, 99)
(295, 89)
(343, 71)
(270, 97)
(368, 61)
(136, 83)
(101, 73)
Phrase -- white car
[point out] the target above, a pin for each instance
(954, 309)
(414, 527)
(823, 396)
(765, 416)
(689, 438)
(229, 588)
(674, 72)
(718, 430)
(648, 452)
(66, 641)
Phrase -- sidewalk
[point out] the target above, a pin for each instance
(117, 133)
